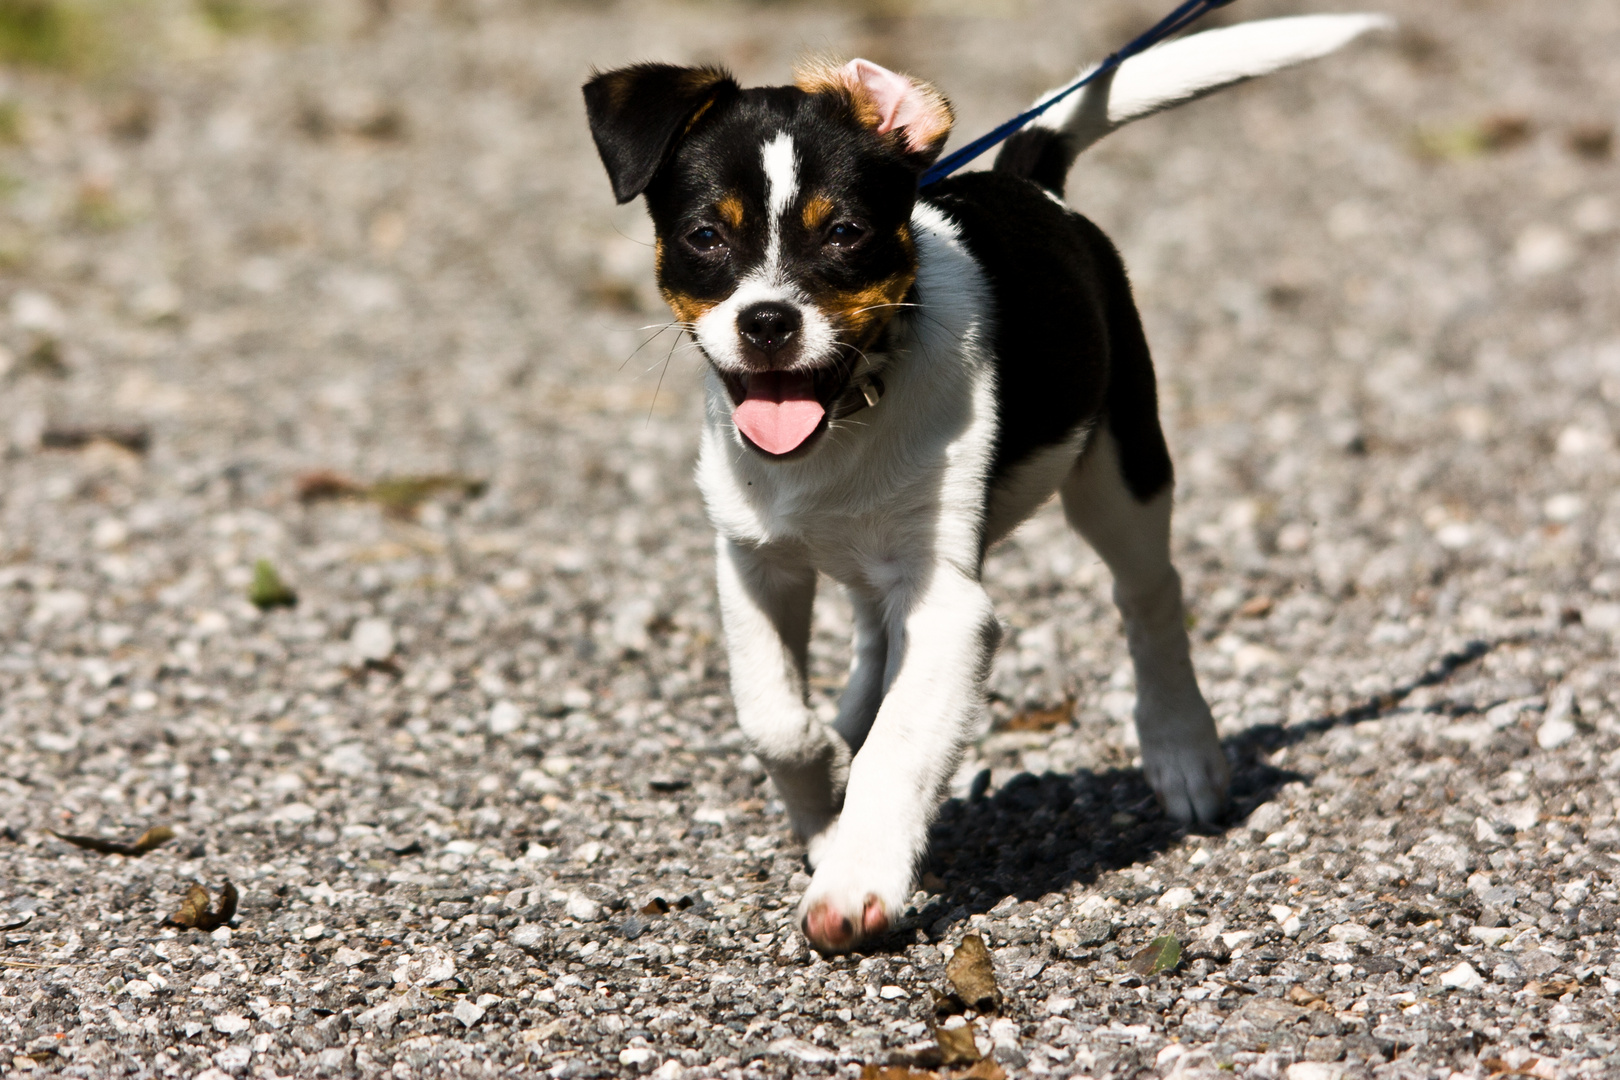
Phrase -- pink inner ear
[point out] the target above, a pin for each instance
(900, 103)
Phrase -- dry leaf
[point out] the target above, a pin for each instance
(1302, 997)
(985, 1069)
(399, 496)
(136, 440)
(1552, 988)
(154, 837)
(973, 976)
(956, 1045)
(1256, 606)
(1041, 719)
(1592, 141)
(1161, 955)
(194, 910)
(326, 484)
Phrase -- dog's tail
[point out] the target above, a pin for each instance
(1168, 75)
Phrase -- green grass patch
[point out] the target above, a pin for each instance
(238, 17)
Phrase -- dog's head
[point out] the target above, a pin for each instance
(783, 220)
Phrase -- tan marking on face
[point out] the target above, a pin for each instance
(687, 309)
(817, 209)
(730, 209)
(861, 314)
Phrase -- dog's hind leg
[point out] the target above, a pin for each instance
(765, 600)
(1181, 753)
(863, 694)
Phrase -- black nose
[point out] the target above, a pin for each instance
(769, 326)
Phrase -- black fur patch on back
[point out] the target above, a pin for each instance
(1068, 341)
(1037, 154)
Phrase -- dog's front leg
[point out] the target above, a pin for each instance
(766, 595)
(942, 633)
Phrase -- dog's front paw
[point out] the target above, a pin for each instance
(849, 904)
(1190, 778)
(832, 928)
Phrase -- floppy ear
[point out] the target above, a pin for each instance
(887, 101)
(639, 113)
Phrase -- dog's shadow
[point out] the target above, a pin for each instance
(1041, 834)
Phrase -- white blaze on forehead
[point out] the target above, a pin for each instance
(781, 185)
(781, 173)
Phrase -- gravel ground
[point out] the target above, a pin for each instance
(481, 791)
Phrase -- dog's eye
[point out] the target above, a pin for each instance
(845, 234)
(705, 239)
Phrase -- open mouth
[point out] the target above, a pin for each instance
(781, 412)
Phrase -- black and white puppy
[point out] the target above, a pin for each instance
(896, 379)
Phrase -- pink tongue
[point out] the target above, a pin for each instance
(780, 412)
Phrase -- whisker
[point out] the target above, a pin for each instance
(655, 337)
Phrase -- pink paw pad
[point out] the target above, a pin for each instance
(830, 931)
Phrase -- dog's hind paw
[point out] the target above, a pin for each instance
(1191, 781)
(830, 930)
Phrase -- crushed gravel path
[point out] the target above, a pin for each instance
(480, 790)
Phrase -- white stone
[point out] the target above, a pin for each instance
(892, 993)
(347, 957)
(1201, 857)
(372, 640)
(1554, 732)
(635, 1056)
(1315, 1070)
(468, 1012)
(295, 813)
(1490, 935)
(505, 718)
(582, 907)
(1178, 898)
(348, 759)
(1059, 1006)
(34, 311)
(1542, 249)
(234, 1059)
(1559, 726)
(228, 1023)
(437, 967)
(801, 1050)
(1350, 933)
(1462, 977)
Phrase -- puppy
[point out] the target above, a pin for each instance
(896, 379)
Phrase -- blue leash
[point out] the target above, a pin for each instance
(1185, 15)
